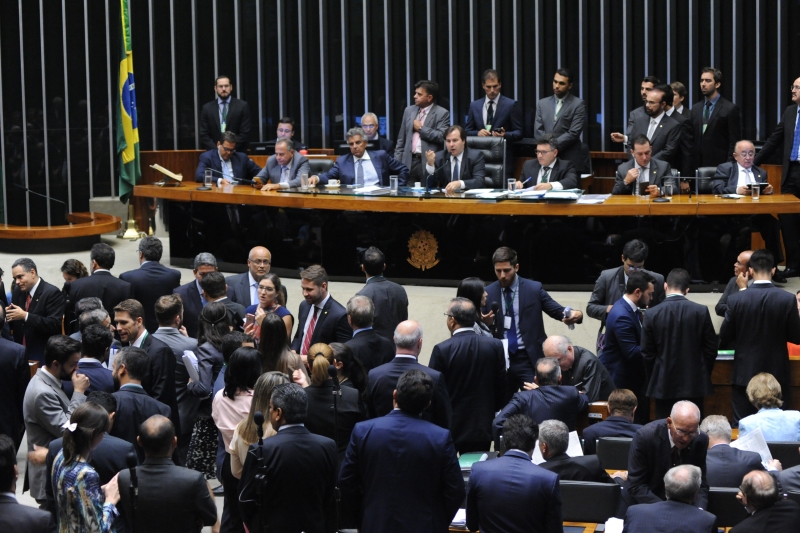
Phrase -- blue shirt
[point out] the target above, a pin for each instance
(515, 304)
(776, 424)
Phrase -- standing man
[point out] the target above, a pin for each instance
(151, 280)
(679, 95)
(663, 131)
(368, 347)
(36, 309)
(390, 299)
(683, 159)
(739, 282)
(15, 516)
(641, 174)
(679, 347)
(371, 126)
(226, 164)
(579, 368)
(284, 168)
(548, 171)
(286, 131)
(760, 321)
(786, 139)
(192, 294)
(717, 123)
(320, 318)
(14, 377)
(224, 113)
(466, 168)
(422, 129)
(648, 84)
(519, 319)
(563, 115)
(244, 286)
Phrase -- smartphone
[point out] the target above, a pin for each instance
(249, 320)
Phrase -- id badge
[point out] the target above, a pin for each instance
(222, 128)
(507, 322)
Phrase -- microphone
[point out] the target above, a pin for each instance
(428, 177)
(48, 198)
(334, 374)
(131, 461)
(254, 182)
(258, 418)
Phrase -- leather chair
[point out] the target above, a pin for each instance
(613, 452)
(705, 174)
(785, 452)
(584, 501)
(318, 166)
(723, 504)
(494, 152)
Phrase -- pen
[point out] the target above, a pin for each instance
(527, 180)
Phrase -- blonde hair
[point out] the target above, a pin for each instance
(320, 356)
(764, 391)
(262, 393)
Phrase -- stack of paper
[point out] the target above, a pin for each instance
(372, 190)
(754, 442)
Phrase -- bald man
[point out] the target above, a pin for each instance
(759, 495)
(245, 285)
(739, 282)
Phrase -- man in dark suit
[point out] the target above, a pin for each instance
(192, 295)
(553, 443)
(371, 126)
(95, 344)
(226, 164)
(717, 123)
(243, 288)
(610, 285)
(548, 171)
(760, 321)
(783, 139)
(579, 368)
(300, 467)
(474, 370)
(224, 114)
(284, 168)
(362, 167)
(14, 377)
(563, 115)
(101, 284)
(368, 347)
(681, 486)
(740, 280)
(215, 290)
(519, 319)
(622, 351)
(663, 131)
(760, 495)
(662, 444)
(286, 131)
(511, 493)
(418, 457)
(679, 347)
(134, 406)
(421, 129)
(320, 318)
(151, 280)
(36, 309)
(727, 466)
(545, 399)
(170, 498)
(621, 408)
(389, 298)
(13, 515)
(641, 174)
(456, 168)
(647, 85)
(679, 95)
(382, 380)
(683, 159)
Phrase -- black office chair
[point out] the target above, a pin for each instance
(723, 504)
(584, 501)
(613, 452)
(344, 148)
(785, 452)
(494, 152)
(705, 174)
(318, 166)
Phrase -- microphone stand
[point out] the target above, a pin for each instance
(133, 490)
(261, 476)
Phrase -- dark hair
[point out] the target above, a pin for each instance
(490, 73)
(136, 362)
(273, 341)
(90, 303)
(315, 274)
(520, 433)
(716, 73)
(678, 279)
(167, 308)
(214, 284)
(233, 341)
(95, 317)
(622, 401)
(214, 324)
(759, 496)
(762, 261)
(287, 120)
(678, 87)
(95, 341)
(414, 391)
(640, 139)
(227, 137)
(638, 280)
(151, 248)
(291, 399)
(352, 368)
(373, 261)
(635, 250)
(27, 264)
(431, 87)
(92, 420)
(549, 139)
(8, 460)
(104, 399)
(472, 289)
(276, 282)
(132, 307)
(504, 254)
(221, 77)
(156, 435)
(73, 267)
(667, 97)
(547, 371)
(463, 311)
(242, 371)
(651, 79)
(461, 132)
(567, 73)
(60, 348)
(361, 311)
(103, 255)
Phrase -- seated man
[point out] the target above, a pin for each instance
(579, 367)
(371, 126)
(642, 174)
(362, 167)
(547, 171)
(553, 443)
(286, 131)
(621, 408)
(760, 495)
(226, 164)
(284, 168)
(456, 167)
(727, 466)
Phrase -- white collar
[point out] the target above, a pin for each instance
(138, 342)
(251, 279)
(33, 290)
(630, 303)
(291, 426)
(495, 99)
(406, 356)
(363, 157)
(742, 169)
(101, 270)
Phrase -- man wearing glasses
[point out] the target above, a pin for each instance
(245, 285)
(371, 126)
(663, 444)
(226, 164)
(286, 131)
(547, 171)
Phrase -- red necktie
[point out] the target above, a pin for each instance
(27, 305)
(309, 333)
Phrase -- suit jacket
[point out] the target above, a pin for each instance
(507, 114)
(668, 517)
(110, 289)
(431, 134)
(666, 139)
(662, 170)
(474, 369)
(781, 139)
(134, 406)
(21, 518)
(44, 318)
(569, 126)
(650, 458)
(533, 301)
(400, 462)
(727, 466)
(171, 498)
(782, 517)
(371, 349)
(583, 468)
(331, 324)
(391, 304)
(344, 169)
(383, 144)
(682, 160)
(501, 492)
(382, 381)
(188, 404)
(319, 419)
(210, 362)
(722, 305)
(549, 402)
(159, 383)
(236, 313)
(297, 167)
(622, 351)
(727, 177)
(563, 172)
(15, 374)
(149, 282)
(301, 468)
(45, 409)
(100, 378)
(679, 347)
(790, 479)
(237, 120)
(587, 368)
(193, 305)
(471, 169)
(242, 166)
(723, 131)
(760, 321)
(613, 426)
(239, 289)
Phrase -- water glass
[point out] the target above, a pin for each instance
(207, 179)
(755, 192)
(304, 181)
(512, 184)
(393, 183)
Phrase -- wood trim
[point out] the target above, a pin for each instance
(80, 225)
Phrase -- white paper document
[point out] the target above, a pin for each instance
(190, 362)
(476, 192)
(573, 450)
(593, 198)
(754, 442)
(372, 190)
(460, 519)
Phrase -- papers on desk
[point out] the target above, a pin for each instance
(190, 362)
(573, 450)
(593, 198)
(568, 195)
(372, 190)
(460, 519)
(614, 525)
(754, 442)
(476, 192)
(732, 196)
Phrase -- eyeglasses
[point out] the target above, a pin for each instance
(747, 154)
(227, 150)
(260, 262)
(369, 126)
(794, 88)
(543, 152)
(448, 314)
(683, 432)
(285, 130)
(265, 289)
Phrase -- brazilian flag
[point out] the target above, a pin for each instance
(127, 121)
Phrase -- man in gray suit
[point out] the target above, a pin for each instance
(663, 131)
(389, 298)
(422, 129)
(284, 168)
(563, 115)
(642, 174)
(46, 407)
(648, 84)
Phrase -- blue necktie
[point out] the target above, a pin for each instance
(512, 331)
(455, 170)
(796, 142)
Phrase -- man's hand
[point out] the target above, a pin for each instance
(543, 187)
(430, 157)
(313, 180)
(618, 137)
(15, 313)
(653, 191)
(38, 456)
(631, 176)
(518, 186)
(80, 382)
(574, 317)
(453, 187)
(224, 183)
(182, 331)
(621, 474)
(270, 187)
(685, 186)
(742, 190)
(417, 125)
(529, 386)
(484, 133)
(742, 279)
(767, 190)
(774, 465)
(499, 133)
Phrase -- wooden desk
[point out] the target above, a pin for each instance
(587, 527)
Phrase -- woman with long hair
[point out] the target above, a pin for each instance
(273, 344)
(82, 505)
(270, 300)
(73, 269)
(350, 371)
(473, 289)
